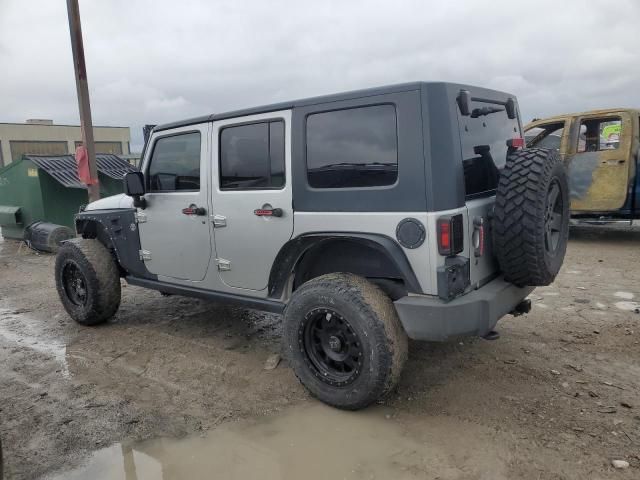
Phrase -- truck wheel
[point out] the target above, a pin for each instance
(344, 340)
(87, 280)
(531, 221)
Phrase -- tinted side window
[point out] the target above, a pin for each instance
(356, 147)
(175, 163)
(252, 156)
(484, 148)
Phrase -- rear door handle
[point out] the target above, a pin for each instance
(268, 212)
(193, 209)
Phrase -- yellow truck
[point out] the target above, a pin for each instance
(601, 150)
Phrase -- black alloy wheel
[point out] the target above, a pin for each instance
(553, 224)
(344, 340)
(74, 283)
(87, 280)
(331, 347)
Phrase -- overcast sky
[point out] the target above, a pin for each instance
(157, 61)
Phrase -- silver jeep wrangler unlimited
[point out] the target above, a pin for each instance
(366, 218)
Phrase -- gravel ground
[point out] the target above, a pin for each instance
(558, 396)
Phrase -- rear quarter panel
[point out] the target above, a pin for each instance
(382, 223)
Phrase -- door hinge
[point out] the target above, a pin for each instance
(223, 265)
(140, 217)
(144, 255)
(219, 221)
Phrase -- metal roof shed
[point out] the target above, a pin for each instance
(47, 188)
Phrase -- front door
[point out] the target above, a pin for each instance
(600, 162)
(252, 199)
(175, 234)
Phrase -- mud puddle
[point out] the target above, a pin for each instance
(311, 442)
(25, 332)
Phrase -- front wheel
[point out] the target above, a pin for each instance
(87, 281)
(344, 340)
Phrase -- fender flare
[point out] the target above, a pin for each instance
(292, 251)
(119, 232)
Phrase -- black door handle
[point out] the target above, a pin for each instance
(268, 212)
(194, 210)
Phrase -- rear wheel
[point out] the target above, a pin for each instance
(344, 340)
(87, 281)
(531, 221)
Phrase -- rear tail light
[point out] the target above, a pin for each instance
(450, 235)
(444, 237)
(515, 143)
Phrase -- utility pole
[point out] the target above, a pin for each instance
(82, 87)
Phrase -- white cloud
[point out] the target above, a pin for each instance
(156, 61)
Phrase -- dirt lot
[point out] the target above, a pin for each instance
(558, 396)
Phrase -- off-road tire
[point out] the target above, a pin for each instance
(373, 319)
(101, 280)
(523, 216)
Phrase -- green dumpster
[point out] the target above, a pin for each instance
(47, 188)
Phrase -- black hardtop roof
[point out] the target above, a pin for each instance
(336, 97)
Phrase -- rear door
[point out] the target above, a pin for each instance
(483, 140)
(252, 199)
(600, 162)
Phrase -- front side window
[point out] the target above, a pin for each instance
(599, 134)
(356, 147)
(252, 156)
(175, 163)
(546, 136)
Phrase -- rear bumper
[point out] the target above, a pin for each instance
(476, 313)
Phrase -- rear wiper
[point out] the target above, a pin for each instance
(479, 112)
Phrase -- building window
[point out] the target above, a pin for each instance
(252, 156)
(114, 148)
(175, 163)
(33, 147)
(1, 158)
(356, 147)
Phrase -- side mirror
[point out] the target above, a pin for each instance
(134, 187)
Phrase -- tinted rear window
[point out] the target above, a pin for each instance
(484, 148)
(352, 148)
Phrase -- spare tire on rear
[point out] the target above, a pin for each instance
(531, 217)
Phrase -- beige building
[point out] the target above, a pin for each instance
(44, 138)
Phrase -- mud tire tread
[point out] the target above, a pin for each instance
(103, 280)
(373, 311)
(518, 222)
